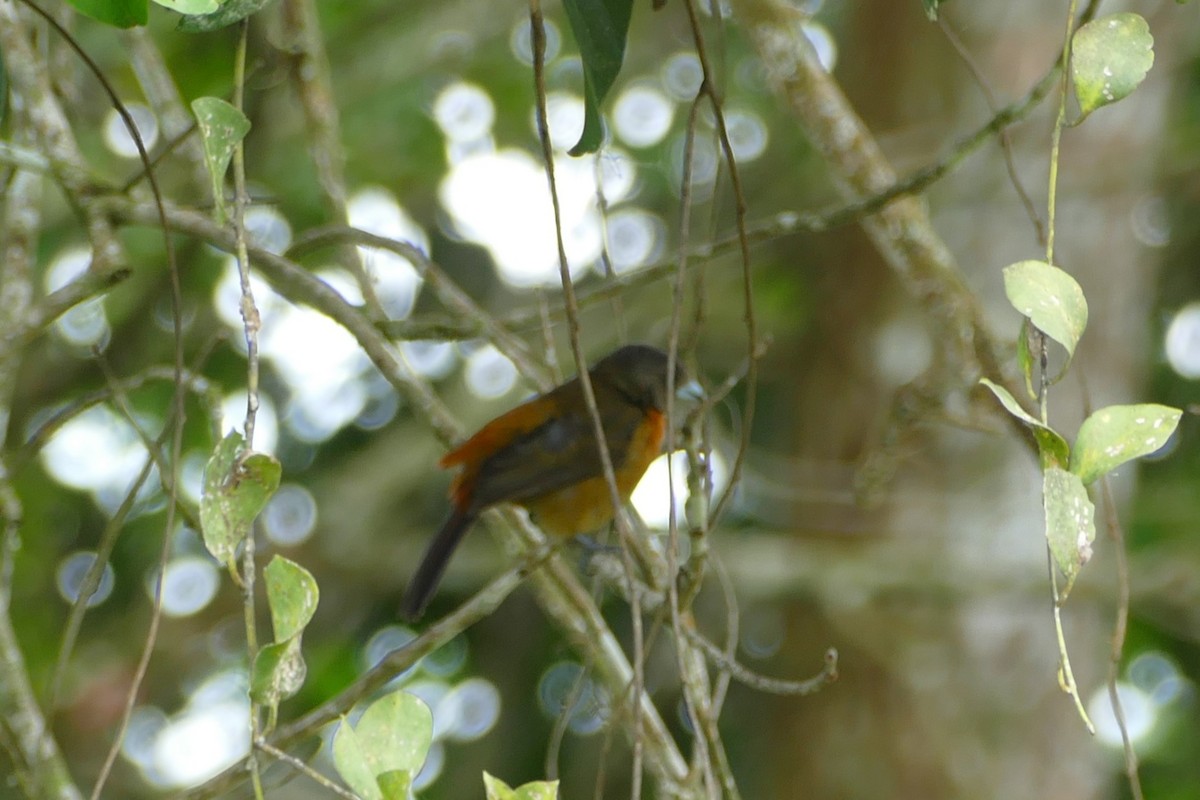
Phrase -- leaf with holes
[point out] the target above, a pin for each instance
(1049, 298)
(1110, 57)
(1116, 434)
(600, 28)
(222, 127)
(1052, 447)
(1070, 522)
(237, 485)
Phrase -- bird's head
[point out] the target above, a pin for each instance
(639, 372)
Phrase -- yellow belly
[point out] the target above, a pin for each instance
(587, 505)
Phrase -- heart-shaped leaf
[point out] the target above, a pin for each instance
(236, 487)
(292, 595)
(221, 128)
(1050, 298)
(1110, 57)
(393, 734)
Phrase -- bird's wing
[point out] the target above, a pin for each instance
(558, 453)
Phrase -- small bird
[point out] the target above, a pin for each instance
(542, 455)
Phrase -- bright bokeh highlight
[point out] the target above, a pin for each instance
(71, 573)
(489, 373)
(290, 515)
(1182, 342)
(116, 133)
(84, 325)
(642, 116)
(98, 451)
(652, 496)
(189, 584)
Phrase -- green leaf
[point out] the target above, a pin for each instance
(1052, 447)
(395, 785)
(118, 13)
(393, 734)
(1116, 434)
(1110, 57)
(931, 8)
(351, 762)
(1025, 357)
(538, 790)
(1070, 522)
(190, 7)
(278, 673)
(221, 535)
(397, 730)
(292, 595)
(1049, 298)
(600, 28)
(236, 487)
(221, 128)
(495, 788)
(231, 11)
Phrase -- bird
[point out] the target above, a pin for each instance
(543, 456)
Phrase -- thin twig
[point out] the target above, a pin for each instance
(41, 760)
(620, 521)
(106, 253)
(251, 323)
(304, 769)
(1066, 675)
(21, 456)
(311, 76)
(827, 675)
(1003, 137)
(1120, 627)
(479, 606)
(95, 574)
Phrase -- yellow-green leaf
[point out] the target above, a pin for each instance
(237, 485)
(222, 127)
(393, 735)
(292, 595)
(1116, 434)
(1070, 522)
(1110, 57)
(1052, 447)
(1049, 298)
(279, 672)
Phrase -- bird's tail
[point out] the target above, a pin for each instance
(425, 580)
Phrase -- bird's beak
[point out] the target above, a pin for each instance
(690, 392)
